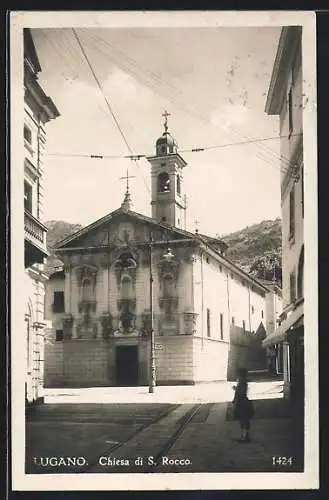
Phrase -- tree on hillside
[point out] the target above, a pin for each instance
(268, 267)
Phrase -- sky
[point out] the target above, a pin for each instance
(213, 82)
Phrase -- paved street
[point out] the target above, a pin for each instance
(194, 435)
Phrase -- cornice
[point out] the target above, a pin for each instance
(288, 44)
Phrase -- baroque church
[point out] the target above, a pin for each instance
(127, 276)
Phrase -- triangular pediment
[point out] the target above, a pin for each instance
(120, 227)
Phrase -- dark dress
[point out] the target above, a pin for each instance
(243, 407)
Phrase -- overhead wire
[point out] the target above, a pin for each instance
(136, 157)
(233, 129)
(191, 150)
(108, 103)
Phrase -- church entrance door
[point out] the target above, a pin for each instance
(127, 365)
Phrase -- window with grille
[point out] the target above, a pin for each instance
(59, 335)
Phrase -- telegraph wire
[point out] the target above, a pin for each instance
(197, 115)
(137, 157)
(191, 150)
(108, 104)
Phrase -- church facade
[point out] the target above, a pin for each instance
(127, 274)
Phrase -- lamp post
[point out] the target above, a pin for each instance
(168, 256)
(152, 374)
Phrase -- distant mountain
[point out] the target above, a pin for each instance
(57, 231)
(256, 249)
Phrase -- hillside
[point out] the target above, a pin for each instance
(253, 242)
(256, 248)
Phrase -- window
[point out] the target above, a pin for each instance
(27, 134)
(59, 335)
(244, 326)
(292, 213)
(290, 115)
(262, 314)
(163, 183)
(178, 184)
(252, 309)
(58, 305)
(292, 287)
(221, 326)
(207, 260)
(233, 320)
(208, 323)
(27, 197)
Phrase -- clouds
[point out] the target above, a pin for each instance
(205, 79)
(227, 115)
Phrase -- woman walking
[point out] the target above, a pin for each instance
(243, 407)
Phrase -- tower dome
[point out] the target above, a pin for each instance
(166, 144)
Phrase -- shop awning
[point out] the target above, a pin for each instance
(281, 332)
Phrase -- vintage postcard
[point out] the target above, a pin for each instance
(164, 250)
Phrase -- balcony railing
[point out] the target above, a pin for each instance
(35, 231)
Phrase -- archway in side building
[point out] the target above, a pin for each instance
(126, 361)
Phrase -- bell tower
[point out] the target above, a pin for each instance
(167, 165)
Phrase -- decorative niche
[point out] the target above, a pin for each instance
(87, 278)
(125, 266)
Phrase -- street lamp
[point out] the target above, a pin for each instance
(168, 256)
(152, 374)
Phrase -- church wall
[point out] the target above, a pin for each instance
(174, 362)
(210, 360)
(238, 343)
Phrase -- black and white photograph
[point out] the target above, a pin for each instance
(164, 250)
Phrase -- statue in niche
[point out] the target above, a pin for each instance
(168, 301)
(126, 233)
(168, 267)
(107, 325)
(126, 264)
(146, 324)
(126, 305)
